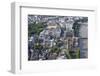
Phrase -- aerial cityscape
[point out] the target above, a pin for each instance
(57, 37)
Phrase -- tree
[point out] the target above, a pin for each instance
(67, 53)
(78, 53)
(55, 49)
(35, 28)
